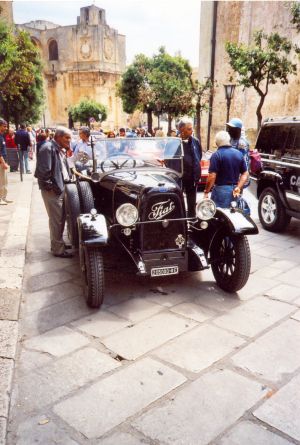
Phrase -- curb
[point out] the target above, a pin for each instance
(15, 221)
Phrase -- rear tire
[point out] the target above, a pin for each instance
(231, 261)
(72, 208)
(85, 196)
(94, 277)
(272, 214)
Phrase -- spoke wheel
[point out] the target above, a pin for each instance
(271, 212)
(231, 261)
(94, 277)
(117, 161)
(72, 209)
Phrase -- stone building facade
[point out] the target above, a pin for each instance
(236, 21)
(80, 61)
(6, 11)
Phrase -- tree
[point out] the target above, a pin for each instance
(295, 11)
(21, 84)
(261, 64)
(201, 92)
(87, 109)
(134, 88)
(170, 83)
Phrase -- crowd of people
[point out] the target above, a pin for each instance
(228, 170)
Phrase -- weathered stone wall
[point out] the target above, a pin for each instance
(91, 59)
(6, 11)
(236, 21)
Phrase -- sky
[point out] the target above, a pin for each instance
(147, 24)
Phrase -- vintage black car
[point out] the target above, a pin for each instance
(130, 194)
(277, 186)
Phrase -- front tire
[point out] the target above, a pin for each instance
(94, 277)
(231, 261)
(272, 214)
(85, 196)
(72, 208)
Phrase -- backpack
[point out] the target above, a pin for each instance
(255, 162)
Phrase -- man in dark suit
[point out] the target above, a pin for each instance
(192, 154)
(22, 139)
(53, 173)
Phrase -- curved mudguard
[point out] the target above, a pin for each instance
(236, 221)
(92, 230)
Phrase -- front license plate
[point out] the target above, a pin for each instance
(168, 270)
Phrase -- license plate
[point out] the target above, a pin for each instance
(168, 270)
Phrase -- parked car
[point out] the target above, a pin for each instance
(135, 201)
(277, 186)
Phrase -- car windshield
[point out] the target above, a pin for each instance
(120, 153)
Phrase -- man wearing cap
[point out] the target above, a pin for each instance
(227, 172)
(237, 139)
(3, 165)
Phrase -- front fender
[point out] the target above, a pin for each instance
(92, 230)
(236, 221)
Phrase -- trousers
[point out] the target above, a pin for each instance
(190, 189)
(222, 195)
(24, 160)
(3, 182)
(56, 213)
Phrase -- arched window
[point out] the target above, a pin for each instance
(53, 50)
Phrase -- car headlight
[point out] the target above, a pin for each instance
(127, 215)
(205, 209)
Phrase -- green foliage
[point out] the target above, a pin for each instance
(21, 83)
(264, 62)
(295, 11)
(86, 109)
(159, 84)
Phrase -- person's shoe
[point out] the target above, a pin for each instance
(8, 201)
(28, 173)
(64, 255)
(3, 203)
(68, 246)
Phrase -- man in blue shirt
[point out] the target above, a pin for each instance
(227, 172)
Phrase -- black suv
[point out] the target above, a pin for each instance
(278, 184)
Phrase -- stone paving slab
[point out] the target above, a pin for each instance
(146, 381)
(11, 278)
(280, 360)
(282, 410)
(8, 338)
(62, 377)
(36, 301)
(40, 430)
(101, 324)
(53, 316)
(132, 342)
(296, 316)
(9, 304)
(122, 439)
(248, 433)
(254, 316)
(3, 423)
(199, 348)
(284, 292)
(6, 371)
(37, 282)
(58, 342)
(201, 411)
(12, 258)
(193, 311)
(135, 309)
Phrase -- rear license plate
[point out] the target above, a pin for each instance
(168, 270)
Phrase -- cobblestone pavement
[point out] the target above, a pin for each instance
(167, 361)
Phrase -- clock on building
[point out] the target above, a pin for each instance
(85, 50)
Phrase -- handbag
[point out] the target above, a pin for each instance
(243, 205)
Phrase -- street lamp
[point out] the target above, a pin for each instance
(229, 90)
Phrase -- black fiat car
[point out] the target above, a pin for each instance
(130, 194)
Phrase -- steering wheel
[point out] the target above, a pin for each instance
(117, 161)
